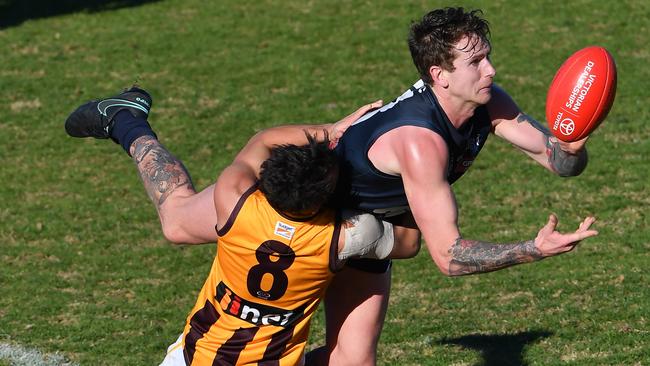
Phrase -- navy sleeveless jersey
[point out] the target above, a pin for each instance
(365, 187)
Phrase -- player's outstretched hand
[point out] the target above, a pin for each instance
(552, 242)
(338, 128)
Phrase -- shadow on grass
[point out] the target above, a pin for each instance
(15, 12)
(498, 349)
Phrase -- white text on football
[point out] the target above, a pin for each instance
(580, 90)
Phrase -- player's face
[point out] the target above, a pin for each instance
(471, 80)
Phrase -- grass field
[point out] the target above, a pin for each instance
(86, 274)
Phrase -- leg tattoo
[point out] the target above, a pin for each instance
(160, 171)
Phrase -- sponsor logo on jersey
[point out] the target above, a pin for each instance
(284, 230)
(255, 313)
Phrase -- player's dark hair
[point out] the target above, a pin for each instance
(299, 179)
(432, 39)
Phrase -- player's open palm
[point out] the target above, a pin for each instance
(552, 242)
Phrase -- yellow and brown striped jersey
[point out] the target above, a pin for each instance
(266, 281)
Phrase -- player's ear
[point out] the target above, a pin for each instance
(438, 76)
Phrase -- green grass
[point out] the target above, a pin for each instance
(85, 271)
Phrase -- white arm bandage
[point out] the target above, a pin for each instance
(366, 236)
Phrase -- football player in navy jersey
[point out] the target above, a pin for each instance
(399, 162)
(406, 155)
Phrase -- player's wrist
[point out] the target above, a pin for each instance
(566, 163)
(535, 251)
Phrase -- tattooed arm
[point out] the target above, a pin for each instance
(533, 138)
(472, 256)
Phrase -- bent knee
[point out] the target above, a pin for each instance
(350, 355)
(355, 348)
(405, 251)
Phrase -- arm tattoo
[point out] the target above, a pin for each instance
(562, 163)
(565, 164)
(471, 256)
(160, 171)
(538, 126)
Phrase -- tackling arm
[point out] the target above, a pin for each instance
(245, 168)
(258, 147)
(188, 217)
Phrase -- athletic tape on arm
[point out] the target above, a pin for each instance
(366, 236)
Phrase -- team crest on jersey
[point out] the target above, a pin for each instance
(284, 230)
(475, 145)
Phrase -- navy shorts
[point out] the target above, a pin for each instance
(370, 265)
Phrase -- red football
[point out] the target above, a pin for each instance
(581, 93)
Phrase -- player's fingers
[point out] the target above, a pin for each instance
(365, 109)
(573, 147)
(376, 104)
(580, 235)
(551, 224)
(586, 223)
(546, 231)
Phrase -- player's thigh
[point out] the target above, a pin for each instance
(355, 308)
